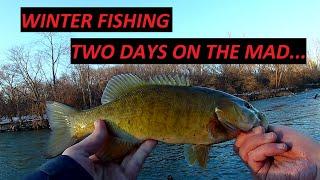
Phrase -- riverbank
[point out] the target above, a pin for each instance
(270, 93)
(35, 123)
(24, 125)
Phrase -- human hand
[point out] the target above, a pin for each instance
(282, 153)
(84, 154)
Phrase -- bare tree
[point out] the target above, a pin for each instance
(8, 88)
(54, 49)
(29, 70)
(82, 78)
(278, 74)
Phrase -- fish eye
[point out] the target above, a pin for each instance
(248, 105)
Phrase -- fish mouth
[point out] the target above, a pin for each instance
(263, 120)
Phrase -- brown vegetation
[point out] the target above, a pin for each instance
(31, 78)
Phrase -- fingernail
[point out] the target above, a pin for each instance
(258, 130)
(96, 123)
(270, 136)
(153, 142)
(282, 146)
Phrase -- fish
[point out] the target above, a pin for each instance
(164, 108)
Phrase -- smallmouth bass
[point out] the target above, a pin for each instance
(164, 108)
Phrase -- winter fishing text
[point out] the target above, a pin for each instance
(96, 19)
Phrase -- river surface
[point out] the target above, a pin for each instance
(21, 152)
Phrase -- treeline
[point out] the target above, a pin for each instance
(31, 77)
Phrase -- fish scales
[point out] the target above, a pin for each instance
(164, 108)
(153, 114)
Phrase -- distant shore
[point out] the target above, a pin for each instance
(37, 124)
(24, 125)
(270, 93)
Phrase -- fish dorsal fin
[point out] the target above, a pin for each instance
(120, 85)
(197, 153)
(170, 80)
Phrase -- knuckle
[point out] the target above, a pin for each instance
(243, 154)
(270, 137)
(239, 138)
(100, 134)
(238, 142)
(251, 155)
(258, 130)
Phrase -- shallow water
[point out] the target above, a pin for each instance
(20, 152)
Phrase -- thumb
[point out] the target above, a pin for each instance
(94, 141)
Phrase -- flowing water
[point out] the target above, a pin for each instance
(20, 152)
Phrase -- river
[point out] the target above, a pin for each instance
(21, 152)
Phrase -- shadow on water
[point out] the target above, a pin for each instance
(19, 151)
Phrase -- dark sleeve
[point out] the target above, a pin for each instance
(61, 167)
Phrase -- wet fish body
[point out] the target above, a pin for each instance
(165, 108)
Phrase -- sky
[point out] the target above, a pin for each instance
(200, 18)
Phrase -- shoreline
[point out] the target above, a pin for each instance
(271, 93)
(21, 125)
(38, 124)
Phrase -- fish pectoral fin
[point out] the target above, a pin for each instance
(220, 114)
(197, 153)
(224, 119)
(115, 149)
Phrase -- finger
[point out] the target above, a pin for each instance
(283, 130)
(258, 157)
(94, 141)
(134, 165)
(277, 128)
(286, 134)
(243, 136)
(127, 159)
(94, 159)
(255, 141)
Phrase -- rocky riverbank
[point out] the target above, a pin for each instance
(269, 93)
(253, 96)
(22, 125)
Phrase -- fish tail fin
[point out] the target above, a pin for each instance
(61, 135)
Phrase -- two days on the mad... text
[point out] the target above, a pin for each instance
(188, 50)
